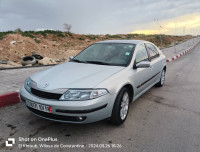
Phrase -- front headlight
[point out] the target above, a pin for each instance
(76, 95)
(27, 84)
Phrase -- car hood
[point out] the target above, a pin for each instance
(74, 75)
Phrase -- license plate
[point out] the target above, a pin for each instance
(37, 106)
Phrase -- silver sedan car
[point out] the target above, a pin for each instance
(97, 84)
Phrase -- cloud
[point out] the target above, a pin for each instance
(92, 16)
(186, 24)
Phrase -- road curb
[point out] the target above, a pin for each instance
(9, 99)
(25, 67)
(181, 54)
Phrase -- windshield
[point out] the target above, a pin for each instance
(106, 54)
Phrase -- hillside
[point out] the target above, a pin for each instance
(60, 45)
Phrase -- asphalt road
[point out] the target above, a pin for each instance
(164, 119)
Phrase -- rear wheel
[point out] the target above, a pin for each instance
(162, 79)
(121, 107)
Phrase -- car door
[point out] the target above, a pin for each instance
(155, 60)
(141, 75)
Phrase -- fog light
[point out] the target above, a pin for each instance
(80, 118)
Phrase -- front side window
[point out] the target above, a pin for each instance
(141, 54)
(106, 54)
(153, 52)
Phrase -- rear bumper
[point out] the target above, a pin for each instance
(73, 111)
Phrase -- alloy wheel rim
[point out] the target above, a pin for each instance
(163, 77)
(124, 106)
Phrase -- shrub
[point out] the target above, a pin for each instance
(93, 37)
(28, 34)
(37, 41)
(113, 36)
(81, 38)
(129, 36)
(116, 36)
(41, 32)
(2, 34)
(69, 33)
(18, 30)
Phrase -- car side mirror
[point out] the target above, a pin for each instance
(143, 64)
(71, 57)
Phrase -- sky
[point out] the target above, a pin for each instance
(174, 17)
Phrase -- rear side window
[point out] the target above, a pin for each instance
(153, 52)
(141, 54)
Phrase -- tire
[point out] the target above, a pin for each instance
(121, 107)
(28, 60)
(37, 56)
(162, 79)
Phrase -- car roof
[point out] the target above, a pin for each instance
(124, 41)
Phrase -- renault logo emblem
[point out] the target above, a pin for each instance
(46, 85)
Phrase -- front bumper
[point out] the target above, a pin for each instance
(71, 111)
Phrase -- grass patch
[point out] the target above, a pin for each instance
(28, 34)
(2, 34)
(131, 36)
(81, 38)
(43, 33)
(58, 33)
(113, 36)
(69, 33)
(92, 37)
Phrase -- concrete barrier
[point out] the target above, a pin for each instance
(181, 54)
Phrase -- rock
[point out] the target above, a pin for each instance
(57, 60)
(45, 46)
(70, 51)
(46, 61)
(14, 64)
(20, 41)
(12, 42)
(53, 61)
(4, 61)
(8, 64)
(55, 44)
(5, 66)
(28, 65)
(33, 51)
(87, 40)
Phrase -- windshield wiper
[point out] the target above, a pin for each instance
(75, 60)
(98, 62)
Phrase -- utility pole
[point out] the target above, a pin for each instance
(174, 35)
(160, 27)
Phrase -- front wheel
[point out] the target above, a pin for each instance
(121, 107)
(162, 79)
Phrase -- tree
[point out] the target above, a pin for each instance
(18, 30)
(67, 27)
